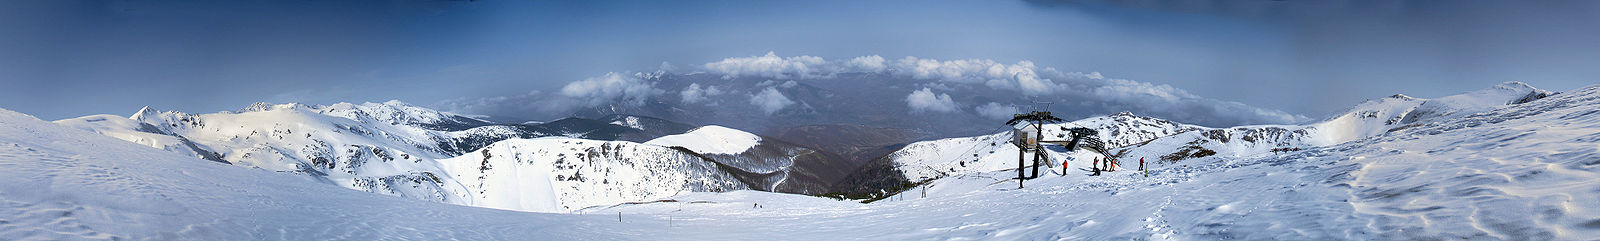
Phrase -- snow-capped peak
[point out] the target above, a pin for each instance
(711, 139)
(264, 106)
(143, 113)
(1378, 116)
(1515, 86)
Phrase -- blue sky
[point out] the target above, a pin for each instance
(62, 59)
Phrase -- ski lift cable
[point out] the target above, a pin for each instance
(970, 148)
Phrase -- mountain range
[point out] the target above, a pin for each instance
(1509, 162)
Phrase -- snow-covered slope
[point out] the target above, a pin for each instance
(1527, 171)
(139, 132)
(1378, 116)
(931, 159)
(1524, 171)
(558, 174)
(1130, 137)
(394, 112)
(342, 143)
(395, 149)
(711, 140)
(62, 183)
(767, 164)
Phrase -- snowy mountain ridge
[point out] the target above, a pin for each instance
(711, 139)
(1519, 171)
(559, 174)
(63, 183)
(1522, 169)
(766, 164)
(1129, 137)
(396, 149)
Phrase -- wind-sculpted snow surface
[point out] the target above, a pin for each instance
(557, 174)
(139, 132)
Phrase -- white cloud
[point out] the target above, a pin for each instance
(798, 67)
(694, 94)
(871, 63)
(668, 67)
(606, 89)
(1023, 76)
(925, 100)
(786, 84)
(1023, 80)
(772, 66)
(996, 111)
(1178, 103)
(770, 100)
(610, 87)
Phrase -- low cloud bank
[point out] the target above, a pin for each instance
(945, 85)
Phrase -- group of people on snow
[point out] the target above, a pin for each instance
(1109, 165)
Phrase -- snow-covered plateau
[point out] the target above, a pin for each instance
(1509, 162)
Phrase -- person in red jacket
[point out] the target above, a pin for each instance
(1064, 168)
(1142, 168)
(1096, 167)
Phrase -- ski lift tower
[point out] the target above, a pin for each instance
(1027, 138)
(1030, 137)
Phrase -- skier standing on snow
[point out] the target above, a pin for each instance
(1142, 169)
(1096, 167)
(1111, 164)
(1064, 168)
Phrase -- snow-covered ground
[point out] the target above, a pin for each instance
(1129, 137)
(1514, 170)
(1528, 171)
(388, 148)
(763, 164)
(932, 159)
(559, 174)
(397, 149)
(62, 183)
(711, 140)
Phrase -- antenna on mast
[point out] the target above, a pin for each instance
(1041, 106)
